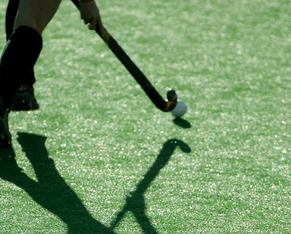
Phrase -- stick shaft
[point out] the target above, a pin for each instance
(135, 72)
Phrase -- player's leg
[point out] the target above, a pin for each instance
(21, 53)
(18, 58)
(24, 98)
(17, 61)
(24, 45)
(36, 13)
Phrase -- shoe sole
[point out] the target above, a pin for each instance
(25, 106)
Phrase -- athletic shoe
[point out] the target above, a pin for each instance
(5, 136)
(24, 99)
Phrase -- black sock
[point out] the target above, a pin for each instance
(18, 59)
(11, 12)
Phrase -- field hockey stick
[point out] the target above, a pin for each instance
(164, 105)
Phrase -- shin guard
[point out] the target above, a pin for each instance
(17, 61)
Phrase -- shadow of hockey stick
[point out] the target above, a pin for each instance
(135, 203)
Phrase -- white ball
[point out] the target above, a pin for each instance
(180, 109)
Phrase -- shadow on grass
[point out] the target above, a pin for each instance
(182, 123)
(135, 203)
(51, 191)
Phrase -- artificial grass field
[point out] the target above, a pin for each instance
(98, 157)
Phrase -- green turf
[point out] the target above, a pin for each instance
(98, 157)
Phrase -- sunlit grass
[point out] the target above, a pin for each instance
(224, 168)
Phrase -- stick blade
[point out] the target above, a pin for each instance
(172, 96)
(172, 99)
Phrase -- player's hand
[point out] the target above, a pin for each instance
(91, 15)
